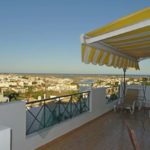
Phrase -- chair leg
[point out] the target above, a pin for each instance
(115, 108)
(131, 111)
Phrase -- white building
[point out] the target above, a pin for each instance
(3, 99)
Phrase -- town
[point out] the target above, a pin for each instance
(36, 87)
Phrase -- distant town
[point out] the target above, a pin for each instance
(42, 86)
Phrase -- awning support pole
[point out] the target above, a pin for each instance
(124, 81)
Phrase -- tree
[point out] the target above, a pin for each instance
(30, 91)
(13, 96)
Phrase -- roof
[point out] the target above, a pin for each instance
(87, 81)
(122, 43)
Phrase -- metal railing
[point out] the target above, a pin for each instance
(46, 113)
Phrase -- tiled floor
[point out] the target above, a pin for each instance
(108, 132)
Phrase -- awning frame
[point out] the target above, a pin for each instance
(89, 40)
(98, 46)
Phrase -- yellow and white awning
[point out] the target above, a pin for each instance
(122, 43)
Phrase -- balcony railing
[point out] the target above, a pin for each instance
(46, 113)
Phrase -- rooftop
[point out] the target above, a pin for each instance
(106, 132)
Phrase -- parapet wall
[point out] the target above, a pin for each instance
(98, 106)
(13, 116)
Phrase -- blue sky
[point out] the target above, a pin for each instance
(44, 35)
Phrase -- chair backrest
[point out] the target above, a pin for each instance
(131, 95)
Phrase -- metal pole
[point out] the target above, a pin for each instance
(124, 81)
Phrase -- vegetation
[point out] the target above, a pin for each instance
(13, 96)
(31, 94)
(112, 97)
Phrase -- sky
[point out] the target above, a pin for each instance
(43, 36)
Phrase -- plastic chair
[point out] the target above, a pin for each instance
(128, 101)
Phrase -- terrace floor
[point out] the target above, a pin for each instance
(108, 132)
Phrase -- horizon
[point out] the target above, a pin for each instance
(45, 36)
(112, 74)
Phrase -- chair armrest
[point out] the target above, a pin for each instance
(133, 105)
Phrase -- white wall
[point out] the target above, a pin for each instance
(5, 138)
(98, 107)
(13, 115)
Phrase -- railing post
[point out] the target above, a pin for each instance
(71, 107)
(80, 102)
(44, 114)
(59, 111)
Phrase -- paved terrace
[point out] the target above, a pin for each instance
(108, 132)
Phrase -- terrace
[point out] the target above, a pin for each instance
(106, 132)
(28, 126)
(83, 115)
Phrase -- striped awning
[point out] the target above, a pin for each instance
(122, 43)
